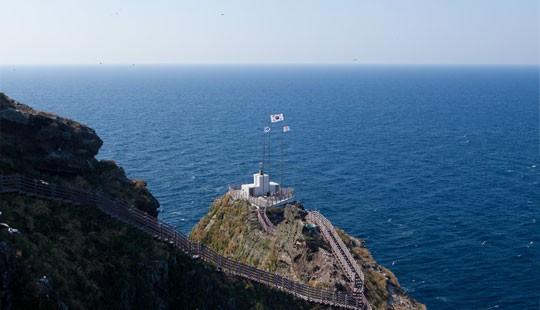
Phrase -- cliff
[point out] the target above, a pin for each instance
(63, 256)
(54, 148)
(297, 250)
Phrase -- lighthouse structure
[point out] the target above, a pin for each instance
(261, 186)
(263, 192)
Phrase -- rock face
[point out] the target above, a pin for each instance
(47, 146)
(297, 250)
(48, 142)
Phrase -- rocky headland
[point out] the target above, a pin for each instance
(297, 250)
(76, 257)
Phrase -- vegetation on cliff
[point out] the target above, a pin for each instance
(297, 250)
(78, 258)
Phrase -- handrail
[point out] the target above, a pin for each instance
(267, 225)
(277, 199)
(261, 203)
(341, 252)
(123, 212)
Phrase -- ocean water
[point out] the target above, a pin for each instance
(437, 168)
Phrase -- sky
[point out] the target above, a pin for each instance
(270, 32)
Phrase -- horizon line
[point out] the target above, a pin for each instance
(279, 64)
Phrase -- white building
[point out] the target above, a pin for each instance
(261, 186)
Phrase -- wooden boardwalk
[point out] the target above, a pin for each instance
(123, 212)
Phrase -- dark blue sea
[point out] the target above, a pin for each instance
(438, 168)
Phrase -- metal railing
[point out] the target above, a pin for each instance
(265, 222)
(261, 203)
(341, 252)
(123, 212)
(283, 196)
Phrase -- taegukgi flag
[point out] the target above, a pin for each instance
(274, 118)
(267, 129)
(286, 128)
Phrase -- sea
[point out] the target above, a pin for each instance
(437, 168)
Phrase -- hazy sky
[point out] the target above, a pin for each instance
(251, 31)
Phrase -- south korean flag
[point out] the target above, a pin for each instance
(274, 118)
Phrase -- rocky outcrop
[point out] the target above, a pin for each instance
(297, 250)
(48, 146)
(45, 141)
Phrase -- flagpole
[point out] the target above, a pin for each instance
(269, 158)
(281, 164)
(263, 150)
(274, 118)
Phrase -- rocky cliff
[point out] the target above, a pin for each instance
(54, 148)
(74, 257)
(297, 250)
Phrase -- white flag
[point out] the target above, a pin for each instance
(274, 118)
(286, 128)
(267, 129)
